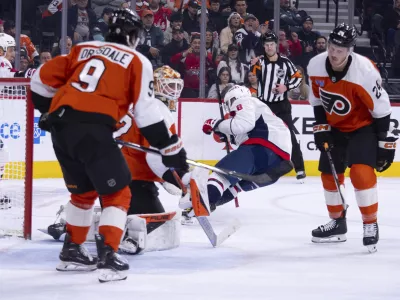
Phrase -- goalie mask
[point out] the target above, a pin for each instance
(233, 93)
(168, 86)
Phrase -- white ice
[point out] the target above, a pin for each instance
(270, 257)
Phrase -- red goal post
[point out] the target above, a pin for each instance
(16, 157)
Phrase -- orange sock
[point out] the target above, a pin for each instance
(113, 217)
(332, 196)
(363, 179)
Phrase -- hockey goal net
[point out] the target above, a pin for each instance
(16, 157)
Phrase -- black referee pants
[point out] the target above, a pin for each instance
(283, 110)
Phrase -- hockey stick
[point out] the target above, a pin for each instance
(227, 145)
(205, 224)
(260, 179)
(339, 186)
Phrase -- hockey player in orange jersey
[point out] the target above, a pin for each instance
(146, 169)
(352, 113)
(82, 97)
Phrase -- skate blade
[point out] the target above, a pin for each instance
(301, 181)
(372, 248)
(107, 275)
(74, 267)
(331, 239)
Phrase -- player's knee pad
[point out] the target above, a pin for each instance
(362, 176)
(84, 200)
(120, 199)
(328, 181)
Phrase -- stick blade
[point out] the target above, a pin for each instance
(228, 231)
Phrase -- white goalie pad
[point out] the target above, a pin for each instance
(163, 231)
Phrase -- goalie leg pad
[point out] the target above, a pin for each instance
(154, 232)
(135, 237)
(199, 192)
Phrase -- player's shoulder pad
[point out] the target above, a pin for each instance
(317, 64)
(363, 64)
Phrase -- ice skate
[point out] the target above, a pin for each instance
(371, 236)
(188, 217)
(129, 246)
(332, 232)
(300, 176)
(75, 257)
(111, 265)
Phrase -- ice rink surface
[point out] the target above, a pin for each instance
(270, 257)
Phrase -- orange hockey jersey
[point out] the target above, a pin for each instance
(143, 166)
(103, 78)
(353, 101)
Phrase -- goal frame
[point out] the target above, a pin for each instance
(29, 134)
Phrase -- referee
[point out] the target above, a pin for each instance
(276, 76)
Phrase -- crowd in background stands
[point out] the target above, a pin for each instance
(172, 37)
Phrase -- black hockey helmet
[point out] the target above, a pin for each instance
(124, 23)
(269, 37)
(343, 35)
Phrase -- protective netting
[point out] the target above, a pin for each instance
(13, 146)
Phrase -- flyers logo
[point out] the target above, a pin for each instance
(334, 103)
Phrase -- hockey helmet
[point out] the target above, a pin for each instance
(6, 41)
(168, 84)
(343, 36)
(124, 27)
(235, 92)
(269, 37)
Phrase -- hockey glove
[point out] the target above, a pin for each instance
(386, 151)
(174, 155)
(322, 135)
(44, 123)
(211, 125)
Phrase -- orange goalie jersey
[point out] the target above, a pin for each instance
(143, 166)
(353, 101)
(101, 78)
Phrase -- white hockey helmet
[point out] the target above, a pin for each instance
(6, 41)
(234, 93)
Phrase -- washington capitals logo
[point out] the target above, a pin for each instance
(334, 103)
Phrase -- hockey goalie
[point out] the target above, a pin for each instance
(148, 226)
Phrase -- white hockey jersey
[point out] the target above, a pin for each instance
(6, 68)
(253, 123)
(350, 102)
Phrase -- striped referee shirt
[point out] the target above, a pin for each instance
(271, 73)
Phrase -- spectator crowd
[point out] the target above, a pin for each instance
(171, 36)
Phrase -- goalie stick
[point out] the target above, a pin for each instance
(215, 239)
(265, 178)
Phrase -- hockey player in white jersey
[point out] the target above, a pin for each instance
(264, 147)
(7, 57)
